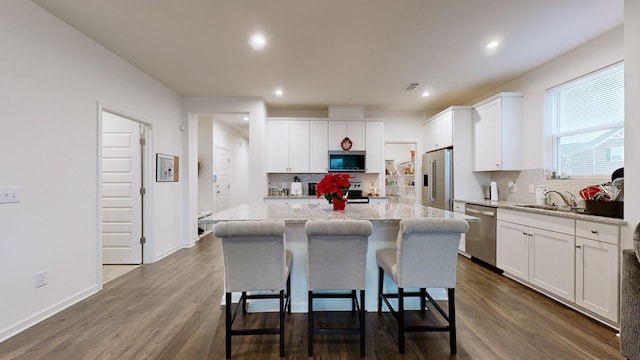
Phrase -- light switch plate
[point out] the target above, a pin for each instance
(9, 194)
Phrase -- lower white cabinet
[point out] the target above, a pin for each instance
(574, 260)
(597, 268)
(540, 257)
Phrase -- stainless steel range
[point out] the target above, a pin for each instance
(355, 194)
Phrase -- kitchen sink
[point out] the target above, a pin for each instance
(551, 207)
(541, 207)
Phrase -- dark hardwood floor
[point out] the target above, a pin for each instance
(171, 310)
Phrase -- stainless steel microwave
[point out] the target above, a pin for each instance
(347, 161)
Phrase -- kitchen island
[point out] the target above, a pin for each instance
(384, 217)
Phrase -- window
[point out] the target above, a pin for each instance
(587, 117)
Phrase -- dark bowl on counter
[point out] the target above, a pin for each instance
(605, 208)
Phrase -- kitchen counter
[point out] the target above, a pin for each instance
(300, 213)
(385, 219)
(513, 205)
(314, 197)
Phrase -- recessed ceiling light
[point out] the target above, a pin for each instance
(425, 94)
(246, 118)
(278, 92)
(257, 41)
(492, 44)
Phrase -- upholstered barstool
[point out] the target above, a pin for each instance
(336, 261)
(425, 256)
(255, 260)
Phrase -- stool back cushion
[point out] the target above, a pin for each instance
(337, 253)
(427, 252)
(254, 255)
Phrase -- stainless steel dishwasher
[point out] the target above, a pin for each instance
(481, 237)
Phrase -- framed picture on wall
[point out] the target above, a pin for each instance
(167, 168)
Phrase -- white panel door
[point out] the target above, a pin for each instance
(222, 185)
(121, 184)
(597, 277)
(512, 249)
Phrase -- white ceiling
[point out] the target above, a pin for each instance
(339, 52)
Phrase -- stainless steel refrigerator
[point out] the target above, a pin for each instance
(437, 179)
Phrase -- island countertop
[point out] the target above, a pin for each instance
(300, 213)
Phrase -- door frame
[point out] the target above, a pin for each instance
(146, 182)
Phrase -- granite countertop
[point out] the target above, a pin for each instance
(312, 197)
(513, 205)
(300, 213)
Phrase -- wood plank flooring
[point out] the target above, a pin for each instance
(171, 310)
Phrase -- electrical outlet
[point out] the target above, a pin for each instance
(41, 279)
(531, 189)
(9, 194)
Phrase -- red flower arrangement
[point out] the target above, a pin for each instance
(334, 187)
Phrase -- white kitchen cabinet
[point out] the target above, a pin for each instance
(287, 146)
(496, 133)
(460, 207)
(374, 140)
(438, 131)
(597, 266)
(318, 146)
(538, 250)
(354, 130)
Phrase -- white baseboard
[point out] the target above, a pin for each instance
(46, 313)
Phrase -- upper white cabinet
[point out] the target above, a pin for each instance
(453, 127)
(288, 146)
(354, 130)
(374, 146)
(318, 146)
(438, 132)
(496, 133)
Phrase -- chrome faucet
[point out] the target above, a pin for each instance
(571, 201)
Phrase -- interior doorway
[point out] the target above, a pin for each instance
(123, 160)
(400, 172)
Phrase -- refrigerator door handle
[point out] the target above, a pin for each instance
(433, 180)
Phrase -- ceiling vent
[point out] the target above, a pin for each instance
(411, 86)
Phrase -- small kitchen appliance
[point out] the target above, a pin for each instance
(541, 197)
(312, 188)
(296, 187)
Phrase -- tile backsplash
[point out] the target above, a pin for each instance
(284, 180)
(523, 178)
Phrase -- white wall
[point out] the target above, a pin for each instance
(632, 117)
(257, 157)
(52, 81)
(205, 161)
(601, 52)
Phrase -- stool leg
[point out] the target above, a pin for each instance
(243, 303)
(281, 323)
(452, 321)
(228, 325)
(310, 320)
(401, 320)
(354, 298)
(289, 293)
(362, 324)
(380, 285)
(423, 302)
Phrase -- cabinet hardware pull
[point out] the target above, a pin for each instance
(524, 233)
(578, 246)
(594, 231)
